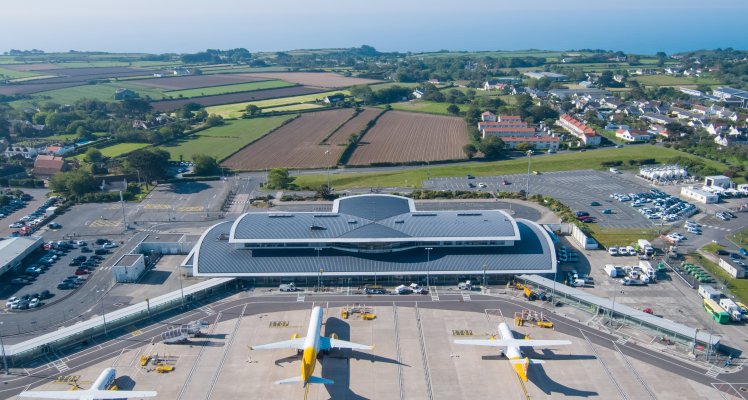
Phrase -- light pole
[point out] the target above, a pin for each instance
(428, 264)
(527, 192)
(122, 202)
(555, 277)
(613, 310)
(5, 360)
(319, 279)
(327, 153)
(484, 276)
(181, 289)
(103, 316)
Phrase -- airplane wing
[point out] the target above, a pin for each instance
(297, 344)
(328, 343)
(513, 342)
(88, 394)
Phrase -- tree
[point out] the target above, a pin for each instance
(491, 147)
(93, 155)
(324, 192)
(253, 110)
(523, 147)
(453, 109)
(150, 162)
(469, 150)
(214, 120)
(205, 165)
(278, 178)
(73, 183)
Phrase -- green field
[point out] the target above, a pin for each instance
(427, 107)
(545, 163)
(498, 54)
(738, 287)
(740, 238)
(667, 80)
(237, 109)
(241, 87)
(294, 107)
(620, 237)
(6, 73)
(387, 85)
(221, 141)
(102, 91)
(118, 149)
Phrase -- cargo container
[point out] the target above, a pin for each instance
(708, 292)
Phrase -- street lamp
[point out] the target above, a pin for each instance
(103, 316)
(613, 309)
(5, 360)
(527, 192)
(327, 153)
(428, 264)
(319, 279)
(484, 276)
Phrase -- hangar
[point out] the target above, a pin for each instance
(370, 237)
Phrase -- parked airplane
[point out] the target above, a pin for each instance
(311, 346)
(512, 348)
(101, 389)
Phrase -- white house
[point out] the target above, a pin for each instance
(488, 116)
(26, 152)
(631, 135)
(417, 93)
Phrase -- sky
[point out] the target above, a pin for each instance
(160, 26)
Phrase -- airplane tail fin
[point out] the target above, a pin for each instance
(312, 380)
(520, 366)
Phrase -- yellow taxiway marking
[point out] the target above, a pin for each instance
(100, 223)
(157, 206)
(191, 209)
(134, 331)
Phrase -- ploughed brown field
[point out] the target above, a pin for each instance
(196, 81)
(294, 145)
(402, 137)
(355, 125)
(69, 77)
(320, 79)
(170, 105)
(31, 67)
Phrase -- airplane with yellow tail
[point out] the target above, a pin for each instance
(512, 346)
(309, 347)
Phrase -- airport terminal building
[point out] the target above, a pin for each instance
(373, 238)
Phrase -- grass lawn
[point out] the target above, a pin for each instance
(738, 287)
(13, 74)
(620, 237)
(380, 86)
(221, 141)
(237, 109)
(667, 80)
(545, 163)
(241, 87)
(118, 149)
(740, 238)
(427, 107)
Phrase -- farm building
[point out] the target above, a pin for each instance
(370, 237)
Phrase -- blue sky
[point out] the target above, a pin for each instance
(644, 26)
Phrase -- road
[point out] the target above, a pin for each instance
(121, 339)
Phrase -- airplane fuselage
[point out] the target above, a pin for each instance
(105, 380)
(311, 344)
(511, 352)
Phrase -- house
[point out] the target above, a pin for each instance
(124, 94)
(434, 81)
(691, 92)
(657, 118)
(619, 78)
(26, 152)
(504, 126)
(45, 166)
(417, 93)
(488, 116)
(715, 129)
(631, 135)
(332, 99)
(585, 92)
(550, 75)
(659, 130)
(586, 134)
(493, 85)
(729, 94)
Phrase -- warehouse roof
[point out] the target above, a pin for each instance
(214, 255)
(373, 218)
(13, 247)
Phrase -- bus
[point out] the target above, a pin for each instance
(717, 312)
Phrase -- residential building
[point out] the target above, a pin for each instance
(590, 92)
(631, 135)
(587, 135)
(332, 99)
(487, 116)
(659, 130)
(657, 118)
(45, 166)
(26, 152)
(418, 93)
(181, 71)
(493, 85)
(539, 142)
(124, 94)
(58, 150)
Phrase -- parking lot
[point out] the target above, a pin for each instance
(576, 189)
(50, 273)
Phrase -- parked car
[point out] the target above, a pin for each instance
(743, 251)
(594, 203)
(11, 300)
(85, 249)
(54, 225)
(101, 251)
(109, 245)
